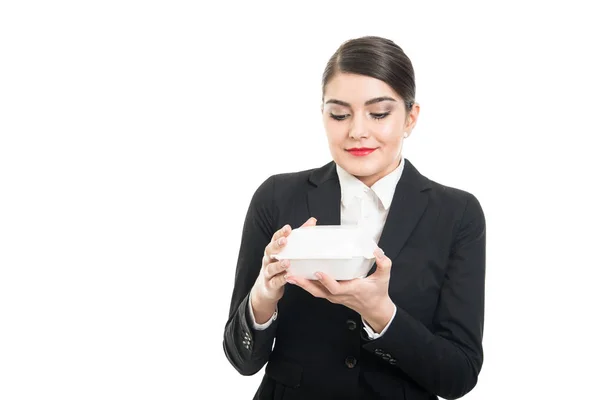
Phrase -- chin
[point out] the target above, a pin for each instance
(361, 169)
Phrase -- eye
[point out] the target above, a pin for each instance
(339, 117)
(380, 115)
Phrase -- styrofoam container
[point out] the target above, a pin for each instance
(341, 251)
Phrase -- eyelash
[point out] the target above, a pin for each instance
(343, 117)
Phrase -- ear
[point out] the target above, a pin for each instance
(411, 118)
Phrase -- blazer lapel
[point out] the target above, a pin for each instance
(408, 204)
(324, 199)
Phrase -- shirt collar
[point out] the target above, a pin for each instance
(384, 188)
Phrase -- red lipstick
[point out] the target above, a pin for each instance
(361, 151)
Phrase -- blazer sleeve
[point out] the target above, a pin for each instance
(248, 349)
(446, 360)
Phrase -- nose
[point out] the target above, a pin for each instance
(358, 128)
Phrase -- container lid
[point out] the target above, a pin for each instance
(328, 242)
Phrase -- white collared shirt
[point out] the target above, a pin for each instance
(365, 206)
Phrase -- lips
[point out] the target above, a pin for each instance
(361, 151)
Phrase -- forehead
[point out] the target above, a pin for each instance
(357, 89)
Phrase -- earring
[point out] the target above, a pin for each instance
(405, 135)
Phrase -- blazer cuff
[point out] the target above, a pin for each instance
(250, 341)
(407, 341)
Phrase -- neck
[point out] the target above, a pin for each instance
(370, 180)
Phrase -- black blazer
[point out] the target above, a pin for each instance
(435, 237)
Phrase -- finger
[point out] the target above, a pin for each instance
(275, 268)
(329, 283)
(312, 221)
(277, 281)
(384, 264)
(284, 231)
(279, 239)
(311, 287)
(275, 247)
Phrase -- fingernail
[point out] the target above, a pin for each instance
(319, 276)
(285, 263)
(281, 241)
(379, 253)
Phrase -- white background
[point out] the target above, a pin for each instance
(133, 134)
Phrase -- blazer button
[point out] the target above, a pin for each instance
(386, 357)
(378, 352)
(351, 324)
(350, 362)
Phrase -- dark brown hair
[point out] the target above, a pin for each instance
(378, 58)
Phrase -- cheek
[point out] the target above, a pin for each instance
(336, 134)
(389, 133)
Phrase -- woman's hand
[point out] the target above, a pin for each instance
(269, 286)
(367, 296)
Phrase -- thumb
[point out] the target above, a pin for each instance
(384, 264)
(312, 221)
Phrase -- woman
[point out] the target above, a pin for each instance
(412, 329)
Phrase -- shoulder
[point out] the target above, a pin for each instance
(464, 204)
(278, 186)
(445, 196)
(454, 195)
(458, 208)
(458, 204)
(303, 179)
(286, 180)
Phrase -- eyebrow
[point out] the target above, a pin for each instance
(367, 103)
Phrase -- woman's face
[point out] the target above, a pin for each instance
(365, 121)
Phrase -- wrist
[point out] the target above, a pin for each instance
(380, 315)
(263, 309)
